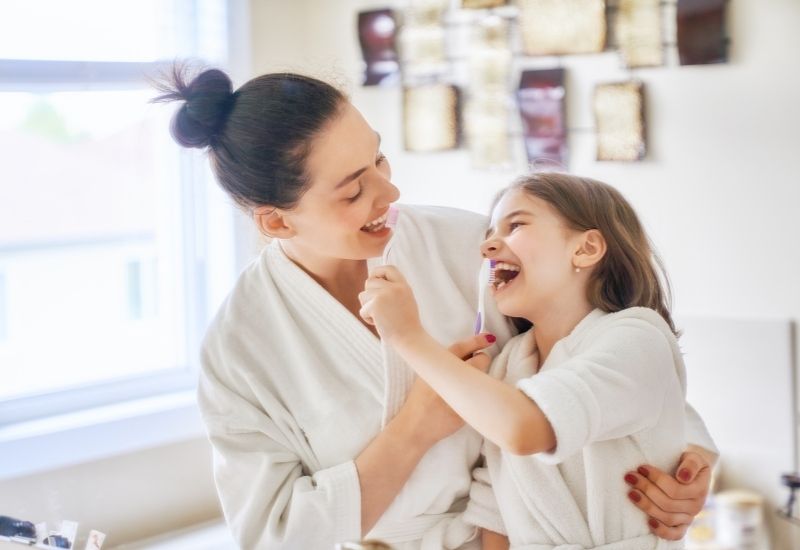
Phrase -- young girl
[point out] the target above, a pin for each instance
(572, 405)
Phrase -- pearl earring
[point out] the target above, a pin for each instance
(577, 270)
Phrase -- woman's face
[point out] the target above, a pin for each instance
(534, 249)
(341, 214)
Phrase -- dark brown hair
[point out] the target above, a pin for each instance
(258, 137)
(630, 274)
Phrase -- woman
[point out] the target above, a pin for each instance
(321, 434)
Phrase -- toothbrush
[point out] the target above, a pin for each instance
(391, 217)
(391, 223)
(485, 279)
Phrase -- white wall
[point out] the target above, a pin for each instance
(719, 189)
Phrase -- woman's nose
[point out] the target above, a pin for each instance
(389, 192)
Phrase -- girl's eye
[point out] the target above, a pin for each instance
(513, 225)
(380, 160)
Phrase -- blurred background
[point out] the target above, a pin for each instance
(116, 247)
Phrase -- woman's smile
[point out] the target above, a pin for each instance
(377, 227)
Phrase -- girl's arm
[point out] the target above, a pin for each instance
(499, 412)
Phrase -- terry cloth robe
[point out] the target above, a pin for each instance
(293, 388)
(614, 393)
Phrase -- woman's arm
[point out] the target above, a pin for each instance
(387, 463)
(266, 491)
(672, 501)
(493, 541)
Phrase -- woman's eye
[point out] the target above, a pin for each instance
(380, 159)
(513, 225)
(354, 198)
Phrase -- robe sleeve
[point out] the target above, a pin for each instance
(615, 387)
(697, 432)
(268, 496)
(482, 510)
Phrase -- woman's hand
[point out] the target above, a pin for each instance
(388, 303)
(428, 412)
(671, 502)
(493, 541)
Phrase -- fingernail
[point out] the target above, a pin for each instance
(644, 471)
(634, 496)
(630, 479)
(491, 338)
(652, 523)
(684, 474)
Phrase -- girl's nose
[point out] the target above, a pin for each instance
(489, 247)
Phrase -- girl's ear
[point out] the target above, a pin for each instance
(272, 222)
(591, 249)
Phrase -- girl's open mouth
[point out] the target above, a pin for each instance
(504, 274)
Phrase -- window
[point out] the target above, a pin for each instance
(103, 219)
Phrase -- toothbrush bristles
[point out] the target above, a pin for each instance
(391, 217)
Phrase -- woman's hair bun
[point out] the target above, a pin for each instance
(208, 100)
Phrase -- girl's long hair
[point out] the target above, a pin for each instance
(631, 273)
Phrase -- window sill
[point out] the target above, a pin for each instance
(36, 446)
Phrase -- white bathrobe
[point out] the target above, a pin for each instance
(293, 388)
(614, 393)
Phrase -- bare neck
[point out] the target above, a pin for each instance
(343, 279)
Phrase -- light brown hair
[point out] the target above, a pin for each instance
(630, 274)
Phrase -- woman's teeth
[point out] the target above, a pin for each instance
(375, 225)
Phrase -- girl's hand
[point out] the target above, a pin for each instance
(426, 411)
(388, 303)
(671, 502)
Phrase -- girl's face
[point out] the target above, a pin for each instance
(342, 214)
(534, 250)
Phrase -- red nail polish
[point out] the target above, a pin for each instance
(630, 479)
(644, 471)
(634, 496)
(652, 523)
(491, 338)
(684, 474)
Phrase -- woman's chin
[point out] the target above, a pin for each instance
(375, 243)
